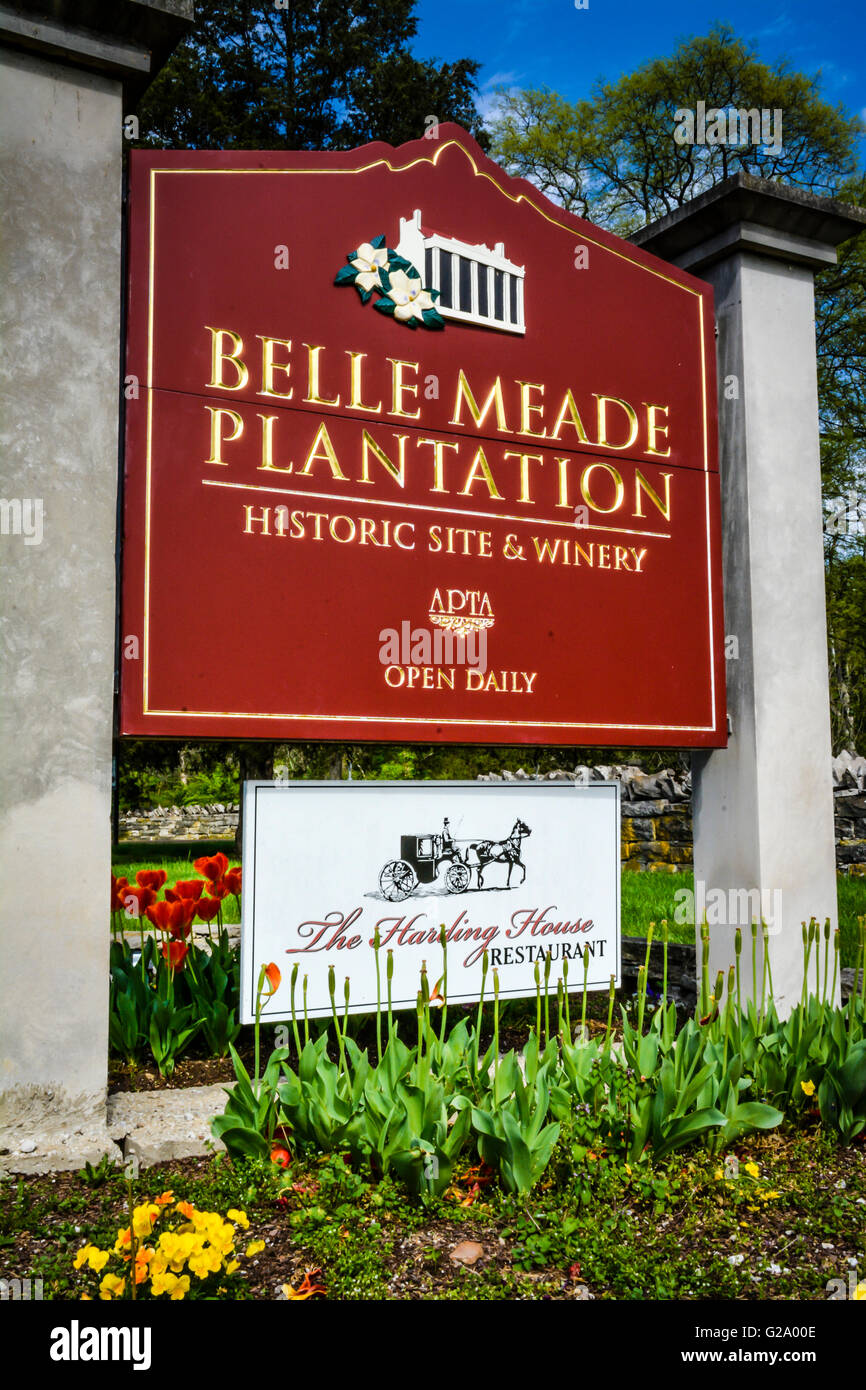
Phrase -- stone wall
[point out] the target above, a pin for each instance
(656, 814)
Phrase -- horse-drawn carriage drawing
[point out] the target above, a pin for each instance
(423, 856)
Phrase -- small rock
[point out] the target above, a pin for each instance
(468, 1252)
(736, 1259)
(827, 1245)
(28, 1146)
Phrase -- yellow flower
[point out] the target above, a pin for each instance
(112, 1286)
(83, 1256)
(752, 1169)
(239, 1217)
(807, 1087)
(860, 1292)
(98, 1259)
(143, 1218)
(233, 1266)
(718, 1175)
(254, 1247)
(175, 1287)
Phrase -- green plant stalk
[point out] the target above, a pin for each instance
(826, 959)
(862, 924)
(817, 961)
(641, 998)
(306, 1019)
(443, 938)
(610, 999)
(346, 993)
(537, 977)
(769, 959)
(837, 945)
(546, 999)
(389, 975)
(377, 942)
(765, 931)
(559, 1012)
(495, 1023)
(294, 981)
(485, 963)
(665, 938)
(755, 964)
(705, 969)
(583, 1003)
(565, 992)
(332, 994)
(257, 1031)
(728, 1007)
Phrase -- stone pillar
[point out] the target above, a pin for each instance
(63, 84)
(763, 807)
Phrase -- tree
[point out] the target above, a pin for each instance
(302, 74)
(617, 160)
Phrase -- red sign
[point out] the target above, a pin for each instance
(414, 455)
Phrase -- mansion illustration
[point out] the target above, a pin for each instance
(476, 284)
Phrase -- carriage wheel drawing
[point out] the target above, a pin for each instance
(397, 880)
(457, 878)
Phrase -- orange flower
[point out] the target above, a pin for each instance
(207, 909)
(151, 878)
(118, 887)
(175, 918)
(218, 889)
(307, 1289)
(186, 1209)
(175, 952)
(136, 901)
(232, 881)
(165, 1200)
(281, 1157)
(273, 976)
(213, 866)
(187, 888)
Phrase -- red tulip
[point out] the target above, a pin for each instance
(175, 918)
(136, 901)
(186, 888)
(232, 881)
(175, 952)
(218, 889)
(207, 909)
(282, 1157)
(118, 887)
(151, 878)
(213, 866)
(273, 976)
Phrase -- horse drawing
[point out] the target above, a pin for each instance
(501, 852)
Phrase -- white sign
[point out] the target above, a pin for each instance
(520, 870)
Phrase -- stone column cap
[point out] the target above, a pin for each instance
(125, 39)
(745, 213)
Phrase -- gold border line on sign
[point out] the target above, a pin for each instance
(392, 719)
(426, 507)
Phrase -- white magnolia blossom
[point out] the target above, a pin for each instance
(408, 294)
(368, 262)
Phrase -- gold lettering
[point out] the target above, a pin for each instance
(398, 386)
(313, 396)
(439, 445)
(480, 470)
(640, 482)
(525, 460)
(322, 450)
(603, 402)
(569, 409)
(652, 429)
(356, 402)
(269, 366)
(217, 438)
(268, 446)
(397, 470)
(464, 393)
(587, 496)
(218, 357)
(528, 408)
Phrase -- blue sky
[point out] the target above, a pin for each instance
(526, 43)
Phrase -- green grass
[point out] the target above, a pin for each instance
(646, 897)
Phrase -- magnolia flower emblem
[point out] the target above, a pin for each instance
(374, 268)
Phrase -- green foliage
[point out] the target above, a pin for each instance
(613, 158)
(323, 75)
